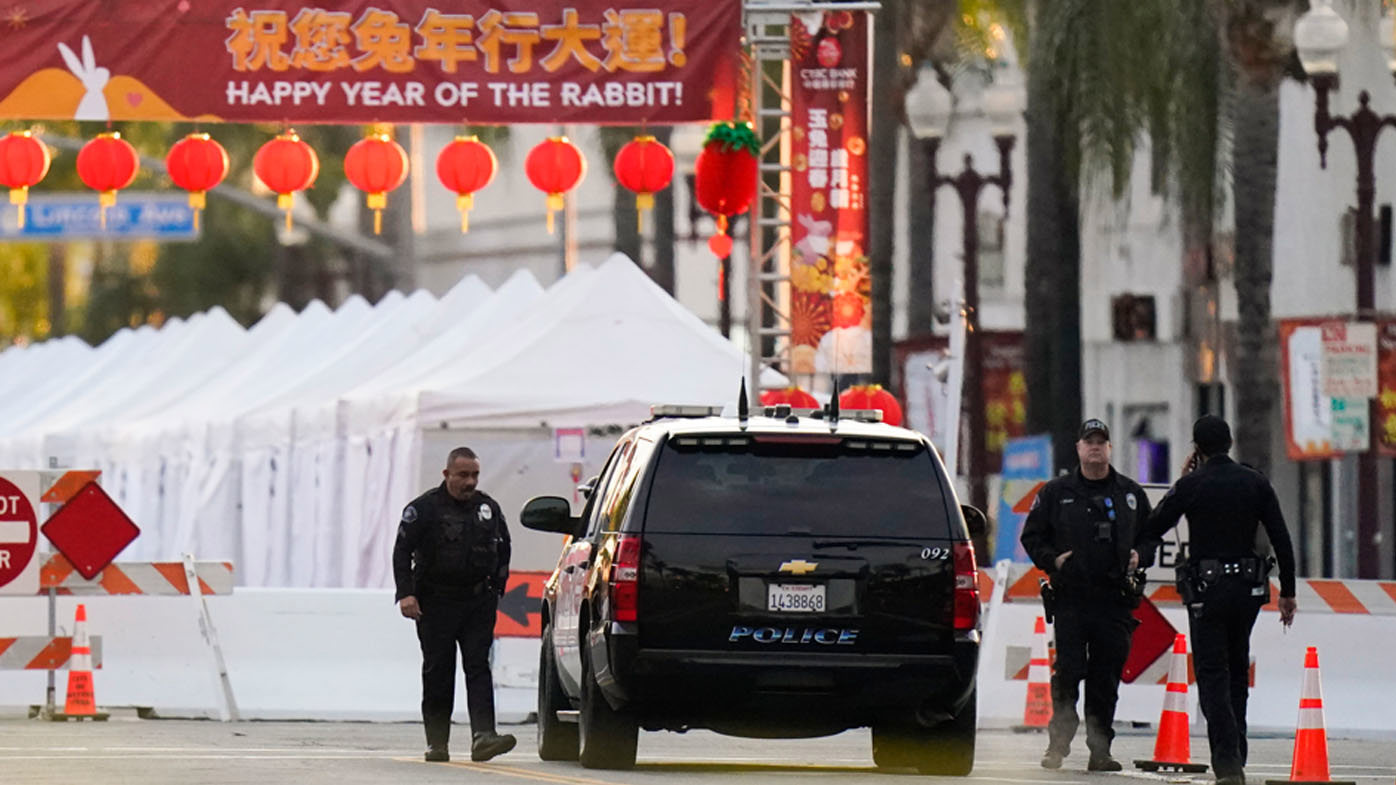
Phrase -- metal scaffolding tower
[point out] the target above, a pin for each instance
(767, 26)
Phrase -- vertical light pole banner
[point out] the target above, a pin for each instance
(1386, 387)
(830, 312)
(1027, 464)
(19, 533)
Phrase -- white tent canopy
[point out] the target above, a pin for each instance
(292, 447)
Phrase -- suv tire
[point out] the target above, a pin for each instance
(557, 740)
(946, 750)
(608, 737)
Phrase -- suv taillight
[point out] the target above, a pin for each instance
(625, 579)
(966, 587)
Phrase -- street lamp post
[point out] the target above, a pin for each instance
(1319, 36)
(929, 108)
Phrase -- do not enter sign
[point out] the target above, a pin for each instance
(19, 533)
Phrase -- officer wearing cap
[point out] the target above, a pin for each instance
(1225, 579)
(1081, 532)
(450, 562)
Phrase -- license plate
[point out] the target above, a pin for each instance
(795, 598)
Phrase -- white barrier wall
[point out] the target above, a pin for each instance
(348, 655)
(291, 654)
(1354, 659)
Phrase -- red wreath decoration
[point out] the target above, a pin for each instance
(725, 177)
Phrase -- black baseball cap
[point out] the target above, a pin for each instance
(1211, 434)
(1094, 426)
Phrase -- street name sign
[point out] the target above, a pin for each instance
(137, 215)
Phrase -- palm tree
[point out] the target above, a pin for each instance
(1257, 37)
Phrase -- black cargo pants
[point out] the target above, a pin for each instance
(1221, 653)
(454, 619)
(1093, 640)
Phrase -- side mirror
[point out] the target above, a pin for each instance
(586, 488)
(548, 514)
(974, 519)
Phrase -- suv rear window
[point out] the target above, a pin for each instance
(825, 488)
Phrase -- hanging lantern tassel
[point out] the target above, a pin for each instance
(18, 197)
(286, 202)
(555, 203)
(198, 202)
(105, 199)
(376, 202)
(464, 203)
(644, 202)
(721, 243)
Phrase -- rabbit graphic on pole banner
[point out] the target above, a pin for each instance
(93, 105)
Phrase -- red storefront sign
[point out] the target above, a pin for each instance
(479, 61)
(830, 313)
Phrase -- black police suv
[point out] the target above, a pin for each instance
(778, 576)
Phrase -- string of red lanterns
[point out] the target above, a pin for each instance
(377, 165)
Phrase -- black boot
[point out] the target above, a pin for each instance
(488, 744)
(437, 754)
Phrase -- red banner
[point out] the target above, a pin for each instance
(830, 314)
(483, 62)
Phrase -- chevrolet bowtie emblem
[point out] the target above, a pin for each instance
(798, 567)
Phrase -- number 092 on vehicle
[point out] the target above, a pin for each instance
(795, 598)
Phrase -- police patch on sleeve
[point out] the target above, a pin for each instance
(1131, 501)
(409, 514)
(485, 513)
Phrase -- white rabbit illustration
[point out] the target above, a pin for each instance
(93, 105)
(816, 241)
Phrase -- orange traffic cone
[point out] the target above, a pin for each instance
(1173, 747)
(1310, 739)
(82, 702)
(1038, 711)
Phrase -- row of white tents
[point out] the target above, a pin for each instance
(291, 447)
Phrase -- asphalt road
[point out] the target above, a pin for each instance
(129, 751)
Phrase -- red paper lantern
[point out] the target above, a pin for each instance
(465, 166)
(286, 165)
(725, 177)
(555, 166)
(197, 163)
(794, 396)
(872, 396)
(644, 165)
(376, 165)
(107, 164)
(24, 161)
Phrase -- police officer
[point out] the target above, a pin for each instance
(451, 561)
(1081, 531)
(1225, 581)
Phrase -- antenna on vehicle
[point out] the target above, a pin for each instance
(834, 396)
(743, 409)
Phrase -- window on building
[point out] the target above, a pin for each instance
(1133, 317)
(991, 263)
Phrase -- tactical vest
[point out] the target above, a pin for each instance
(461, 546)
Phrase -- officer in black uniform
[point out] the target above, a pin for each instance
(1081, 531)
(451, 561)
(1225, 580)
